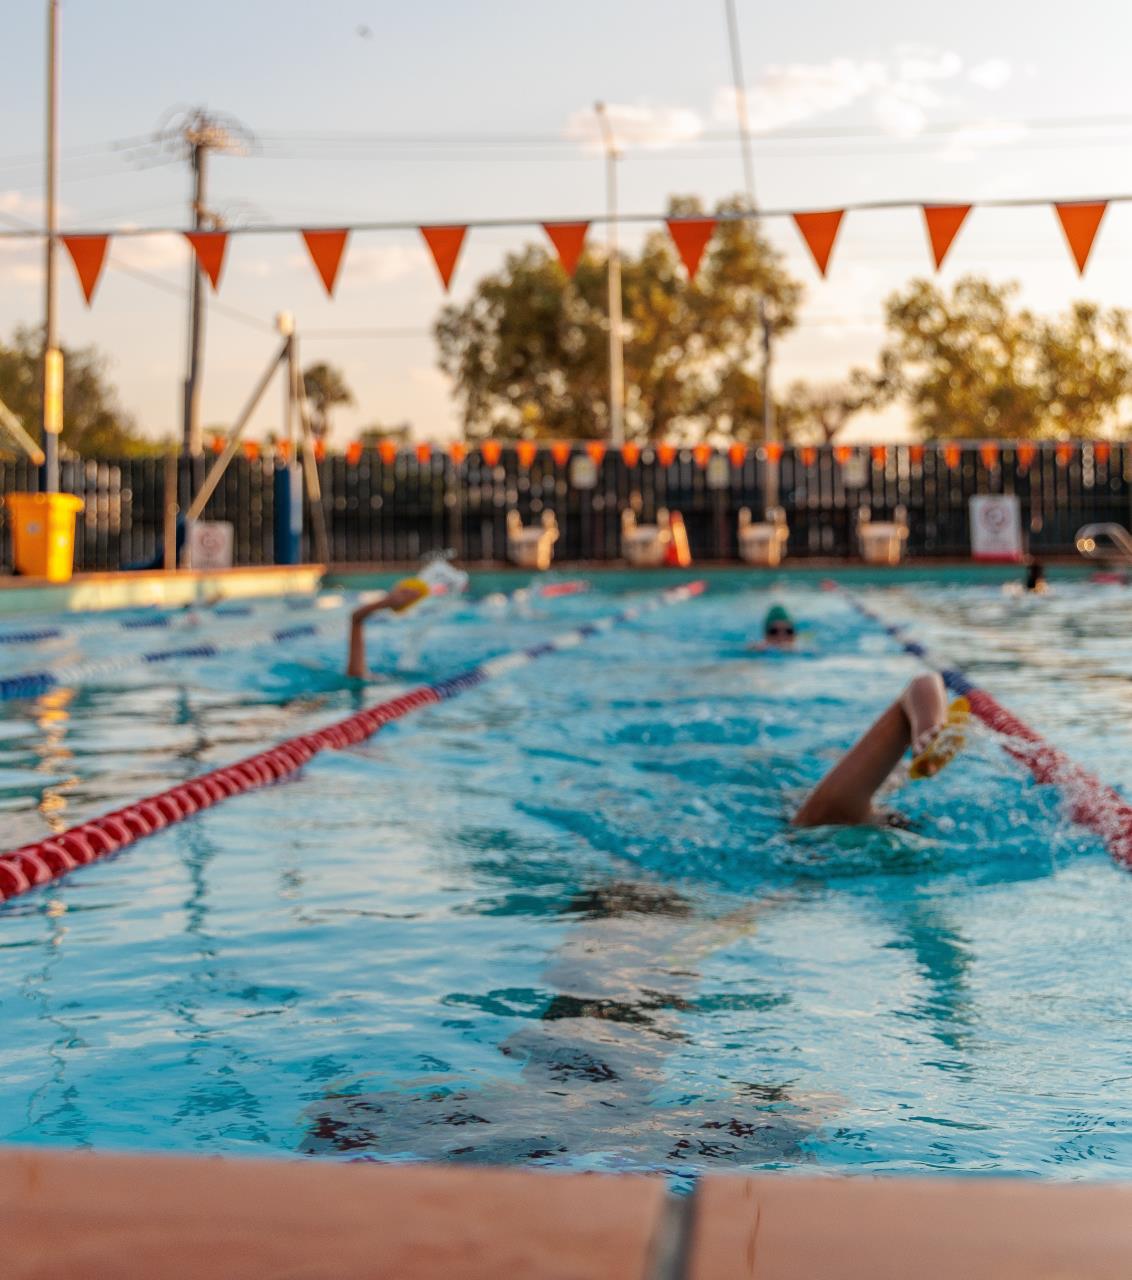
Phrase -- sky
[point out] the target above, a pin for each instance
(880, 100)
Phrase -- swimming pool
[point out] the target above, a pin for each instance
(561, 920)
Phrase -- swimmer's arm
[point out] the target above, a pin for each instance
(844, 797)
(398, 598)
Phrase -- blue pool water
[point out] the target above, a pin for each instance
(561, 920)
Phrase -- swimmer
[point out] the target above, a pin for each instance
(1036, 578)
(436, 579)
(779, 631)
(921, 719)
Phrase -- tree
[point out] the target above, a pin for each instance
(324, 386)
(529, 352)
(816, 413)
(972, 365)
(94, 424)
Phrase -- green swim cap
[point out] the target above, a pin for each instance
(777, 613)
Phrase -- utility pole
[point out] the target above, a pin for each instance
(616, 337)
(743, 120)
(193, 135)
(52, 419)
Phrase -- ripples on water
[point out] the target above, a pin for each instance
(562, 919)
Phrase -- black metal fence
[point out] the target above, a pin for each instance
(399, 510)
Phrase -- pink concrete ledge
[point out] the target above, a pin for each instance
(68, 1216)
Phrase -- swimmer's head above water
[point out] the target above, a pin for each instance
(779, 631)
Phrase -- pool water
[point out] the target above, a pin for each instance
(562, 920)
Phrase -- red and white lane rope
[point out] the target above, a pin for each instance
(1090, 803)
(47, 860)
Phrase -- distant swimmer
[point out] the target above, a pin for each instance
(921, 719)
(436, 579)
(779, 631)
(1036, 578)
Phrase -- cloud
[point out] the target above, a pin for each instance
(900, 90)
(164, 252)
(992, 74)
(964, 144)
(652, 128)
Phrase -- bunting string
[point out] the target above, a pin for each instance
(1080, 222)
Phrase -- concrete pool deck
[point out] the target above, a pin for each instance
(79, 1216)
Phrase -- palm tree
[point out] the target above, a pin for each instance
(324, 386)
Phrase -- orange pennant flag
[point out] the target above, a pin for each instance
(666, 454)
(444, 244)
(560, 452)
(326, 249)
(596, 450)
(387, 451)
(88, 253)
(457, 451)
(1063, 453)
(880, 455)
(943, 222)
(1101, 451)
(216, 444)
(320, 451)
(989, 455)
(738, 454)
(809, 455)
(843, 453)
(702, 454)
(951, 456)
(569, 239)
(630, 454)
(774, 452)
(424, 454)
(283, 449)
(491, 451)
(1026, 454)
(1081, 222)
(210, 247)
(354, 453)
(916, 454)
(691, 236)
(251, 450)
(819, 230)
(525, 451)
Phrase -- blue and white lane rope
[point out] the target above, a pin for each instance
(30, 684)
(53, 857)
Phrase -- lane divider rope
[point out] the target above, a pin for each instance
(47, 860)
(30, 684)
(1091, 803)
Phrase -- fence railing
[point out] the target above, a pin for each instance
(399, 509)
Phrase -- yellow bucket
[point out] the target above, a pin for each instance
(43, 534)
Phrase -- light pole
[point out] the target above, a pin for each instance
(616, 339)
(743, 119)
(52, 416)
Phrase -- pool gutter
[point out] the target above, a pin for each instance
(92, 592)
(71, 1214)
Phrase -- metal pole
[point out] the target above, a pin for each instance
(310, 465)
(741, 114)
(170, 538)
(193, 440)
(52, 422)
(616, 337)
(743, 119)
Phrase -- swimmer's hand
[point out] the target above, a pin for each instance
(939, 746)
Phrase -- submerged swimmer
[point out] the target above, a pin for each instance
(921, 719)
(779, 631)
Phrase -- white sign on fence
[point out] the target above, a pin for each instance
(210, 544)
(996, 527)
